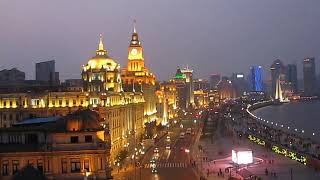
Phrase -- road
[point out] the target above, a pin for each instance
(171, 164)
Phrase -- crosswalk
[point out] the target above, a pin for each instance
(167, 165)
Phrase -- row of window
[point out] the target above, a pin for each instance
(15, 166)
(75, 139)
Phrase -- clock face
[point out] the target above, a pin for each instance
(134, 51)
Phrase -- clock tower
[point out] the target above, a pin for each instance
(136, 77)
(135, 54)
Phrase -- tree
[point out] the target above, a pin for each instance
(29, 172)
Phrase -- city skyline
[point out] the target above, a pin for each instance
(70, 41)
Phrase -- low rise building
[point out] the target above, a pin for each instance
(74, 146)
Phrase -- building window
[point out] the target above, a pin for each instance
(100, 164)
(60, 102)
(40, 165)
(88, 139)
(15, 166)
(74, 102)
(86, 165)
(53, 102)
(64, 166)
(4, 103)
(74, 139)
(5, 168)
(75, 165)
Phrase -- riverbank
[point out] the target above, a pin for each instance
(287, 142)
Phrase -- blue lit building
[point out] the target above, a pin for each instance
(256, 82)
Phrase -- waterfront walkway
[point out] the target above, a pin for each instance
(216, 156)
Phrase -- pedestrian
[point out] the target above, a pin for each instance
(266, 171)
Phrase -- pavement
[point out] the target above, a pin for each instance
(216, 155)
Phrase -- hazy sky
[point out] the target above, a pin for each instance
(212, 36)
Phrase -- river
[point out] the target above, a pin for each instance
(300, 117)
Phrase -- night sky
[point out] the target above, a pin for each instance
(212, 36)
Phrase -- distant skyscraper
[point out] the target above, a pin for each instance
(256, 82)
(240, 83)
(200, 84)
(277, 70)
(291, 77)
(214, 80)
(45, 72)
(12, 75)
(309, 76)
(189, 84)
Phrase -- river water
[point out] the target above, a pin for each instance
(300, 117)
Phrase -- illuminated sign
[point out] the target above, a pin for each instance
(240, 76)
(290, 154)
(256, 140)
(242, 156)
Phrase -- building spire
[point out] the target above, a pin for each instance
(101, 50)
(100, 43)
(134, 26)
(135, 39)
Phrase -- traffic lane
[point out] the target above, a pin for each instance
(178, 153)
(139, 173)
(176, 173)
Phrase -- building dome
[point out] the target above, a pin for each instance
(101, 60)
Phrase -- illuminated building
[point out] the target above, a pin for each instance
(309, 76)
(69, 147)
(122, 112)
(184, 84)
(201, 98)
(226, 89)
(256, 82)
(137, 77)
(167, 102)
(277, 69)
(189, 85)
(102, 73)
(214, 97)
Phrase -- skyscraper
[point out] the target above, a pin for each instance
(45, 72)
(256, 82)
(240, 83)
(277, 70)
(309, 76)
(189, 85)
(214, 80)
(291, 77)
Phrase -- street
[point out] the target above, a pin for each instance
(171, 163)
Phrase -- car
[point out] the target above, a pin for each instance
(154, 170)
(188, 131)
(168, 147)
(182, 135)
(156, 150)
(168, 139)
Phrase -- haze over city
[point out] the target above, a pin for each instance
(209, 35)
(159, 90)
